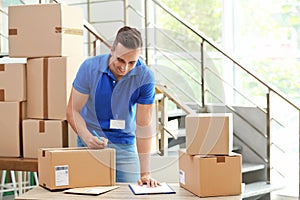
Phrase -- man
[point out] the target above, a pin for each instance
(111, 106)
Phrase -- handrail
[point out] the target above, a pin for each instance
(3, 12)
(181, 105)
(95, 33)
(91, 29)
(213, 44)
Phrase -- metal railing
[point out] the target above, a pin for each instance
(204, 42)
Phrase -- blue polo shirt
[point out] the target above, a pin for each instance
(110, 99)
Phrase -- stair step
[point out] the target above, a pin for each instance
(250, 167)
(259, 188)
(237, 149)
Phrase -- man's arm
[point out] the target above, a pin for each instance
(144, 134)
(76, 102)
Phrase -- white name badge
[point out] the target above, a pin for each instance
(117, 124)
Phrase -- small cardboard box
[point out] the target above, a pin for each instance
(211, 175)
(49, 84)
(209, 133)
(13, 82)
(32, 33)
(61, 168)
(11, 116)
(43, 134)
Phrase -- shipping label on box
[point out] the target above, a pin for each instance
(61, 175)
(61, 168)
(13, 82)
(211, 175)
(209, 133)
(43, 134)
(49, 86)
(11, 116)
(58, 35)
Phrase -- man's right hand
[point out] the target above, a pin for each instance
(95, 142)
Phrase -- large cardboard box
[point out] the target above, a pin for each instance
(43, 134)
(49, 84)
(61, 168)
(34, 33)
(209, 133)
(11, 116)
(211, 175)
(13, 82)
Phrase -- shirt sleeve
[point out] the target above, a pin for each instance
(147, 90)
(81, 82)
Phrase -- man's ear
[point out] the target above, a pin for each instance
(112, 51)
(112, 48)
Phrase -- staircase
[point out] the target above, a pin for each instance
(190, 81)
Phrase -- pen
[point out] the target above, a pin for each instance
(95, 134)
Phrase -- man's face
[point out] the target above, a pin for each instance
(123, 60)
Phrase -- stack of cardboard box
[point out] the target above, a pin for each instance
(12, 107)
(208, 167)
(50, 36)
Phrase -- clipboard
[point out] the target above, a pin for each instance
(164, 188)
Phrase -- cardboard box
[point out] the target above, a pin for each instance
(209, 133)
(211, 175)
(11, 116)
(43, 134)
(13, 82)
(33, 33)
(61, 168)
(49, 84)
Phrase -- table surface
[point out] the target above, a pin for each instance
(123, 192)
(19, 164)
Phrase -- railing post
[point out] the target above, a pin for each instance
(158, 126)
(164, 122)
(125, 12)
(146, 32)
(268, 128)
(202, 74)
(88, 7)
(95, 47)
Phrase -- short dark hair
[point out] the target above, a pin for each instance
(129, 37)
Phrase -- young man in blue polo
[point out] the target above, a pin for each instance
(111, 106)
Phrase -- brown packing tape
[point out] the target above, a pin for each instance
(70, 31)
(2, 95)
(2, 91)
(220, 159)
(13, 31)
(45, 88)
(2, 67)
(42, 126)
(65, 136)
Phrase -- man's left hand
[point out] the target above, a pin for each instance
(147, 179)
